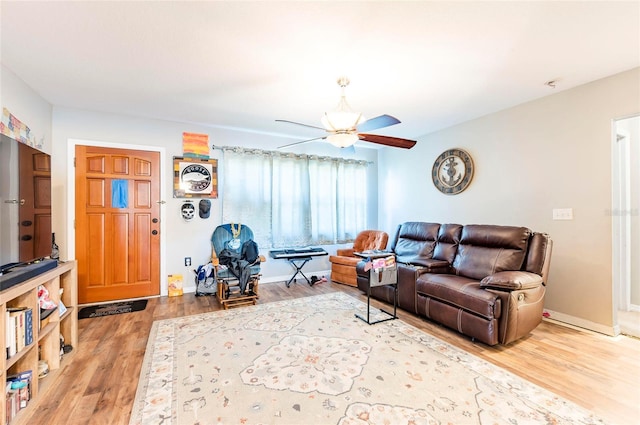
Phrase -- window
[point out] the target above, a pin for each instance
(294, 200)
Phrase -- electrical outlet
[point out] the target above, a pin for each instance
(187, 261)
(563, 213)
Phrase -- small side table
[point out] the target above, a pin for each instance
(387, 276)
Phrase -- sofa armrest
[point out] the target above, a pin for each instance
(431, 265)
(345, 252)
(511, 280)
(362, 268)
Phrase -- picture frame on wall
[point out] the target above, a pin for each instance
(195, 178)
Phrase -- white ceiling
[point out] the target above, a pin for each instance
(238, 64)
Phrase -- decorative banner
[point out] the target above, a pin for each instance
(195, 145)
(12, 127)
(195, 178)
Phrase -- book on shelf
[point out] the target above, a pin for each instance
(19, 325)
(18, 329)
(10, 334)
(28, 326)
(18, 393)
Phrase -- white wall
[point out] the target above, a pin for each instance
(179, 238)
(35, 112)
(27, 106)
(554, 152)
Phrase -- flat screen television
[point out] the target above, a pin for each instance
(25, 204)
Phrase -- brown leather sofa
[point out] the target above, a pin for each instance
(485, 281)
(343, 264)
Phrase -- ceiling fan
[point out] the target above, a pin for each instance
(345, 127)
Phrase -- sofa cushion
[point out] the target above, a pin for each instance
(459, 291)
(369, 239)
(537, 255)
(448, 240)
(487, 249)
(511, 280)
(415, 242)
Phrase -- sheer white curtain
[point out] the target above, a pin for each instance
(246, 194)
(324, 213)
(290, 221)
(351, 183)
(294, 200)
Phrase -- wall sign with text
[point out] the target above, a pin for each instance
(195, 178)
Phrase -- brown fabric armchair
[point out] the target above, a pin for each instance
(343, 264)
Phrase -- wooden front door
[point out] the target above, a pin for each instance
(117, 223)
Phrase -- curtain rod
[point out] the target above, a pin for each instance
(255, 151)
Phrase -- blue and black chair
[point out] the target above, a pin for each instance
(237, 275)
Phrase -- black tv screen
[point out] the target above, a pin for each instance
(25, 203)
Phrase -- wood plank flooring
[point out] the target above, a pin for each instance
(98, 382)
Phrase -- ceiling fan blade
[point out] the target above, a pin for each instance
(304, 141)
(304, 125)
(378, 122)
(349, 150)
(394, 142)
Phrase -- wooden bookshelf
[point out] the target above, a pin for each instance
(62, 284)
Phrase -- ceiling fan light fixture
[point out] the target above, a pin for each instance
(342, 140)
(345, 127)
(341, 120)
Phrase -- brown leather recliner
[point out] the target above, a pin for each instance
(485, 281)
(343, 264)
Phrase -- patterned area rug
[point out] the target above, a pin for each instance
(310, 361)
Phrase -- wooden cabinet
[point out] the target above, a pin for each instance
(61, 283)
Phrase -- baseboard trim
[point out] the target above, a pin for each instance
(273, 279)
(319, 273)
(580, 324)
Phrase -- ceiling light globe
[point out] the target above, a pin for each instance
(341, 120)
(343, 140)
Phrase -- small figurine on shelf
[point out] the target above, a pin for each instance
(55, 252)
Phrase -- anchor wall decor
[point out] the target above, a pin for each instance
(452, 171)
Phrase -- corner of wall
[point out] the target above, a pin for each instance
(581, 324)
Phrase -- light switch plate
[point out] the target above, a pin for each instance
(563, 213)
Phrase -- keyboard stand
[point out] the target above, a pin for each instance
(298, 258)
(298, 269)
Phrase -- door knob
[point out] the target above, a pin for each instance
(154, 232)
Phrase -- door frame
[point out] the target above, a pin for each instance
(71, 198)
(620, 219)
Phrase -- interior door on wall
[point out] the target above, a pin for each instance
(35, 208)
(117, 223)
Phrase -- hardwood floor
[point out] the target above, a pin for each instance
(98, 382)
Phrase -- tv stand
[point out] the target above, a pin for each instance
(61, 283)
(25, 271)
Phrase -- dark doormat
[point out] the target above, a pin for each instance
(111, 309)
